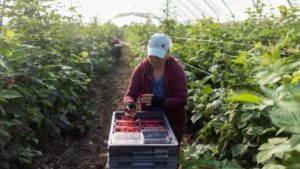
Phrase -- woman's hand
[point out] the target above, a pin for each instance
(146, 99)
(130, 109)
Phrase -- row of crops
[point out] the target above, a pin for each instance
(47, 62)
(244, 88)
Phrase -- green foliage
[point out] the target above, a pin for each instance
(287, 121)
(47, 62)
(245, 90)
(230, 129)
(191, 160)
(282, 92)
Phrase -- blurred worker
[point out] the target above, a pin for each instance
(117, 47)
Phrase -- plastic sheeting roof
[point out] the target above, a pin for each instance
(224, 10)
(221, 10)
(127, 11)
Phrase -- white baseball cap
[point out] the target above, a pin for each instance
(158, 45)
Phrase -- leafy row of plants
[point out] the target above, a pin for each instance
(46, 64)
(237, 63)
(243, 88)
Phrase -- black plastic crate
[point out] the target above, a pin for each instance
(143, 156)
(152, 151)
(143, 162)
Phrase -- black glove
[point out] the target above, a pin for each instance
(157, 101)
(130, 106)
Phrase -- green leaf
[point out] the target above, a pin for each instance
(283, 10)
(263, 156)
(295, 140)
(255, 130)
(2, 64)
(246, 97)
(64, 119)
(10, 34)
(46, 103)
(293, 162)
(196, 117)
(238, 149)
(295, 89)
(292, 105)
(277, 140)
(4, 137)
(50, 66)
(247, 116)
(258, 44)
(241, 59)
(266, 146)
(286, 120)
(3, 100)
(229, 165)
(241, 124)
(2, 111)
(269, 150)
(281, 148)
(35, 140)
(270, 129)
(23, 91)
(10, 94)
(27, 153)
(84, 54)
(275, 53)
(274, 166)
(296, 78)
(207, 89)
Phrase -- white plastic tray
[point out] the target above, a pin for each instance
(127, 138)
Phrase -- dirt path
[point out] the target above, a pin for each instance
(106, 93)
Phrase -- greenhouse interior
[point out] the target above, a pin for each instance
(139, 84)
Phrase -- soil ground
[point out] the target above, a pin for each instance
(106, 94)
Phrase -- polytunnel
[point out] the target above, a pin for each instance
(182, 10)
(191, 84)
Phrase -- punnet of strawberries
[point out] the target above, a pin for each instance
(132, 124)
(127, 129)
(127, 123)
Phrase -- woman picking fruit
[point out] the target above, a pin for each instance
(160, 83)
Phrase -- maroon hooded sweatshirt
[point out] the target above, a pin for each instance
(175, 91)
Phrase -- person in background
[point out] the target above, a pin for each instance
(117, 47)
(160, 83)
